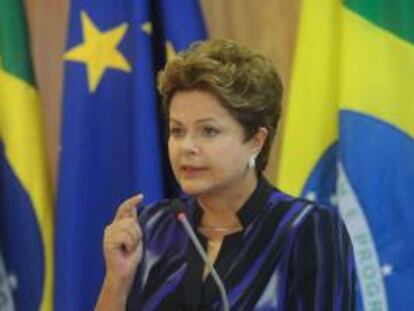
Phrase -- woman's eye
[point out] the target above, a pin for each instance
(176, 131)
(210, 131)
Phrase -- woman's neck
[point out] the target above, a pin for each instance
(220, 208)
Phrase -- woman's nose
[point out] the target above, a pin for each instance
(190, 144)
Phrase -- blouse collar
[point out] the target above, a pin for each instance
(251, 208)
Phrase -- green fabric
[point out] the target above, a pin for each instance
(14, 44)
(396, 16)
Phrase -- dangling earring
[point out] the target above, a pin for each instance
(252, 162)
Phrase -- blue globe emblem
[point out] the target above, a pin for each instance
(368, 174)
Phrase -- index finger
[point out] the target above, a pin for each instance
(128, 207)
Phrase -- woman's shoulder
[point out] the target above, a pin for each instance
(316, 214)
(302, 214)
(311, 222)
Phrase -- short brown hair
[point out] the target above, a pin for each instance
(245, 82)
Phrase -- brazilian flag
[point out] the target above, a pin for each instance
(25, 193)
(349, 134)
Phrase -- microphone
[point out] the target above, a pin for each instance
(182, 217)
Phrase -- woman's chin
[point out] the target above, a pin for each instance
(194, 188)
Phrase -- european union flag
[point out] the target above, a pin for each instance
(112, 136)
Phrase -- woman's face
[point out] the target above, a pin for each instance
(206, 144)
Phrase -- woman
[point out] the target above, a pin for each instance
(272, 251)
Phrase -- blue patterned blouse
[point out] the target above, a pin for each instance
(290, 255)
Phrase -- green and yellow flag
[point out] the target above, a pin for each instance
(349, 134)
(25, 194)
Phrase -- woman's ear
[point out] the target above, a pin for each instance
(259, 139)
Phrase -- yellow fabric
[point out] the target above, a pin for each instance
(379, 79)
(311, 118)
(21, 132)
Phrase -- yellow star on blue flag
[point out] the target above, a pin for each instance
(99, 51)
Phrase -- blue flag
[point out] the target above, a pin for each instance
(112, 135)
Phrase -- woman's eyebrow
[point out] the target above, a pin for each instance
(174, 120)
(203, 120)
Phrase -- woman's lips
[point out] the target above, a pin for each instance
(190, 170)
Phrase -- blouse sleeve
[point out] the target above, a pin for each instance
(321, 267)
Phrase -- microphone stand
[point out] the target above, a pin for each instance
(181, 216)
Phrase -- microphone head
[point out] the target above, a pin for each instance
(177, 207)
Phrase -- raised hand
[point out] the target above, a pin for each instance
(122, 246)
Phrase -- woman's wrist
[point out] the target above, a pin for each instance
(113, 295)
(117, 286)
